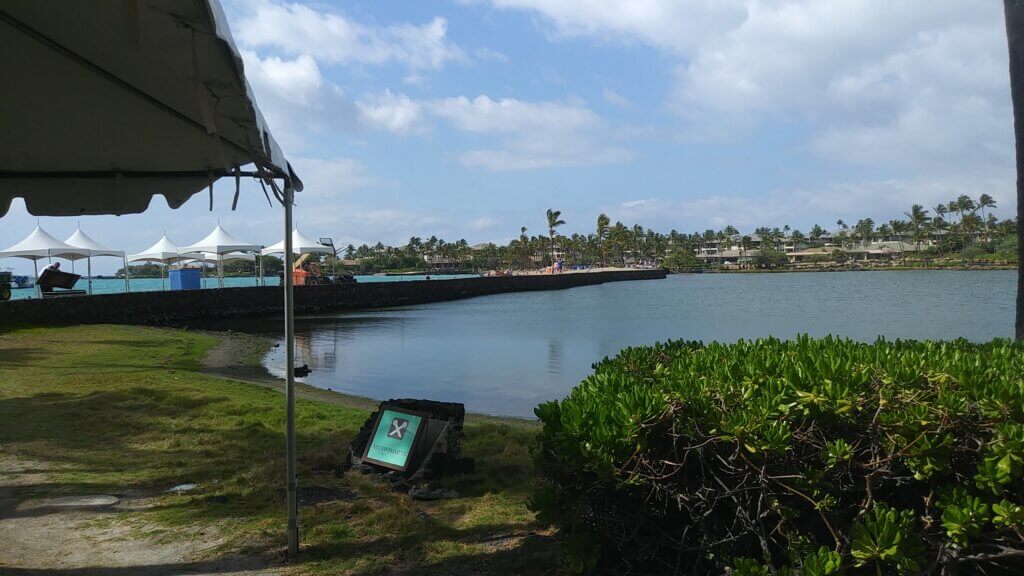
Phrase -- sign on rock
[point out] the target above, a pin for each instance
(394, 438)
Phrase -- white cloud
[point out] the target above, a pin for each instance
(534, 134)
(296, 99)
(905, 84)
(635, 203)
(297, 29)
(395, 113)
(675, 25)
(904, 89)
(483, 223)
(801, 208)
(613, 97)
(329, 177)
(485, 54)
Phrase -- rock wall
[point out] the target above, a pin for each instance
(176, 308)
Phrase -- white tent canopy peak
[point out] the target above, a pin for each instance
(165, 250)
(40, 244)
(82, 240)
(301, 244)
(221, 242)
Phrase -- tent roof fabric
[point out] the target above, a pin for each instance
(301, 244)
(40, 244)
(220, 242)
(118, 101)
(81, 240)
(164, 251)
(212, 258)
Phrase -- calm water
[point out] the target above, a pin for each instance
(504, 354)
(108, 286)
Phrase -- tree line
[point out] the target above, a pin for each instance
(962, 227)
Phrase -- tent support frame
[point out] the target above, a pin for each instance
(289, 338)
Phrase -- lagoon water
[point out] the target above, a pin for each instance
(504, 354)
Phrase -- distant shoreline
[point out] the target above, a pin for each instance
(965, 268)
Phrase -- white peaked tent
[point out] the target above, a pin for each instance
(40, 245)
(219, 242)
(204, 258)
(211, 258)
(81, 240)
(301, 244)
(119, 101)
(165, 252)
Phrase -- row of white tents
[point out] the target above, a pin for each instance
(216, 248)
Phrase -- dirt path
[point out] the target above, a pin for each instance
(43, 536)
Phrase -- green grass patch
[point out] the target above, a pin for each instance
(126, 410)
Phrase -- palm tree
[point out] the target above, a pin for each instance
(918, 219)
(603, 222)
(964, 205)
(554, 221)
(864, 230)
(524, 243)
(899, 227)
(638, 238)
(986, 201)
(745, 244)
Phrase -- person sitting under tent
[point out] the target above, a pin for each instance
(55, 267)
(44, 287)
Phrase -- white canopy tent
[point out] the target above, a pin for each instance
(119, 101)
(165, 252)
(211, 258)
(40, 245)
(301, 244)
(219, 242)
(81, 240)
(205, 258)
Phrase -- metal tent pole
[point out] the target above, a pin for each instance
(35, 279)
(289, 338)
(127, 288)
(89, 272)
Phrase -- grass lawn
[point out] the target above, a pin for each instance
(115, 409)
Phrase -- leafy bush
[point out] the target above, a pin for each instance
(770, 258)
(1006, 247)
(812, 457)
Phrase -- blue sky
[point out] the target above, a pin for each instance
(469, 118)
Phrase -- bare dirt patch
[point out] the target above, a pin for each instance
(42, 536)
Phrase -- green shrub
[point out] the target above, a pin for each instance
(1006, 247)
(812, 457)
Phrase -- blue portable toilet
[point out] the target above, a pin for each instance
(185, 279)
